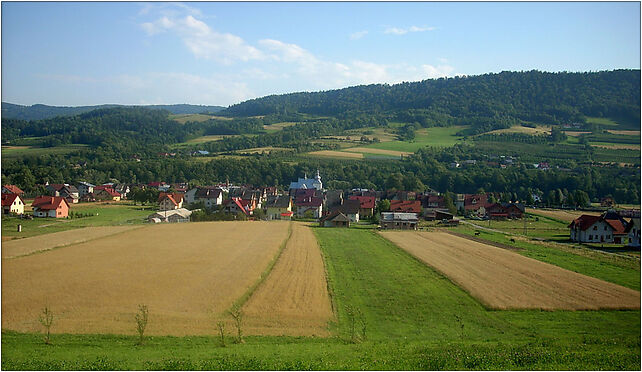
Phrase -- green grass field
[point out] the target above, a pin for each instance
(435, 137)
(278, 126)
(9, 152)
(184, 118)
(415, 318)
(118, 213)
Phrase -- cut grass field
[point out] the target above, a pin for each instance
(502, 279)
(416, 320)
(435, 137)
(187, 274)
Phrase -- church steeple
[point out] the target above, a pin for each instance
(318, 176)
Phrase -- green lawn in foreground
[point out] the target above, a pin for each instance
(118, 213)
(435, 137)
(410, 316)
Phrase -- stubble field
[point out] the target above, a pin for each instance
(186, 274)
(505, 280)
(293, 300)
(562, 215)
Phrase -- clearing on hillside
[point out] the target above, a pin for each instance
(21, 247)
(337, 154)
(293, 300)
(501, 279)
(185, 273)
(378, 151)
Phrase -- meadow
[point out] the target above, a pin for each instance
(434, 137)
(414, 317)
(9, 152)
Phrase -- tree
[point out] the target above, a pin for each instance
(448, 202)
(46, 319)
(141, 322)
(382, 206)
(582, 198)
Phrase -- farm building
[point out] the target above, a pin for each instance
(607, 228)
(335, 219)
(499, 211)
(12, 204)
(50, 206)
(278, 207)
(172, 216)
(399, 220)
(409, 206)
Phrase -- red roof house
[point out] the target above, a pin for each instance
(50, 206)
(409, 206)
(366, 204)
(12, 189)
(12, 203)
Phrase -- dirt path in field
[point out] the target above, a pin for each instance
(185, 273)
(505, 280)
(21, 247)
(293, 300)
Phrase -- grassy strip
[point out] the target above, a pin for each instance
(246, 296)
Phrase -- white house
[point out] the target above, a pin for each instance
(12, 203)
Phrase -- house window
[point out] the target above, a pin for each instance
(590, 237)
(594, 227)
(604, 228)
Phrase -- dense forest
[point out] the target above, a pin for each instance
(126, 144)
(486, 102)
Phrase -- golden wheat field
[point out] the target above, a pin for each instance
(501, 279)
(21, 247)
(562, 215)
(186, 274)
(293, 300)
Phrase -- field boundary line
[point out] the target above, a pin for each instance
(246, 296)
(483, 241)
(70, 244)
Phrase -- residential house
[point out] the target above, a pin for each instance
(278, 207)
(106, 193)
(399, 220)
(498, 211)
(633, 231)
(123, 189)
(209, 196)
(366, 205)
(598, 229)
(50, 206)
(351, 209)
(65, 190)
(237, 205)
(85, 188)
(309, 203)
(12, 204)
(408, 206)
(169, 201)
(12, 189)
(335, 219)
(172, 216)
(333, 199)
(472, 203)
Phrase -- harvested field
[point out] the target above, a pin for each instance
(293, 300)
(21, 247)
(562, 215)
(574, 133)
(268, 149)
(185, 273)
(337, 154)
(501, 279)
(368, 150)
(617, 146)
(527, 130)
(626, 132)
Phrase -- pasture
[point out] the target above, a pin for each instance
(435, 137)
(278, 126)
(9, 152)
(502, 279)
(185, 273)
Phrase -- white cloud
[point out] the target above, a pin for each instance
(403, 31)
(358, 35)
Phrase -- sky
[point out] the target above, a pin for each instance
(222, 53)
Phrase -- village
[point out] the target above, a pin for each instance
(307, 199)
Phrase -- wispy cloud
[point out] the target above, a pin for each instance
(358, 35)
(403, 31)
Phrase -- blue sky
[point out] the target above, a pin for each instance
(223, 53)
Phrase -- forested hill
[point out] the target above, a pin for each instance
(490, 99)
(39, 112)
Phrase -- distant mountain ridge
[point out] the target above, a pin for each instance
(39, 111)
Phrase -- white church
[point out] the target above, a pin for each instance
(308, 183)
